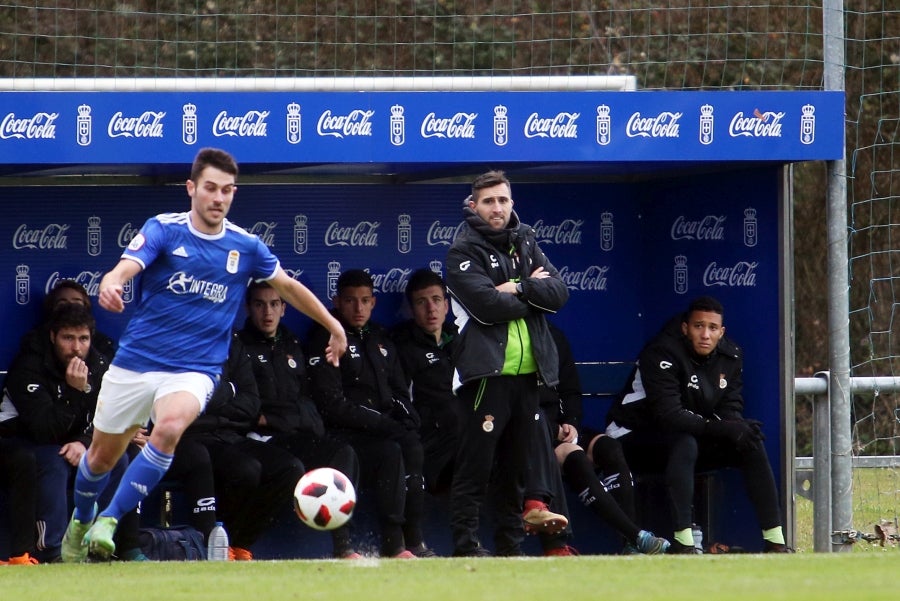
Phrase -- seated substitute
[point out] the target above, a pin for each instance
(254, 481)
(365, 402)
(683, 412)
(285, 415)
(424, 344)
(611, 494)
(52, 386)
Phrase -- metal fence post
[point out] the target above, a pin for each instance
(838, 290)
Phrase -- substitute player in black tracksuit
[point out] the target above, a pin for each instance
(52, 388)
(428, 367)
(286, 416)
(365, 402)
(254, 481)
(581, 451)
(501, 285)
(684, 411)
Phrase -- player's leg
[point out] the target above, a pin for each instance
(278, 473)
(529, 435)
(91, 478)
(414, 507)
(179, 399)
(488, 416)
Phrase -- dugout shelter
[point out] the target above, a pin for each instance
(642, 200)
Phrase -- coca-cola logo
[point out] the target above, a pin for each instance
(663, 125)
(711, 227)
(356, 123)
(364, 233)
(592, 277)
(251, 124)
(146, 125)
(460, 125)
(566, 232)
(442, 235)
(38, 126)
(740, 275)
(126, 234)
(562, 125)
(265, 230)
(394, 280)
(760, 125)
(51, 236)
(89, 279)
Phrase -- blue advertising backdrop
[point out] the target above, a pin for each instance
(634, 249)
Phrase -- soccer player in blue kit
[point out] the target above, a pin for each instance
(195, 269)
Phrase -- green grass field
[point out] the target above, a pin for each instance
(864, 573)
(799, 577)
(876, 496)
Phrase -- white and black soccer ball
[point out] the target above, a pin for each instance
(324, 498)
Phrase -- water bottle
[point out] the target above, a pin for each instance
(698, 536)
(217, 544)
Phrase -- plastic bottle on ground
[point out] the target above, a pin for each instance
(217, 544)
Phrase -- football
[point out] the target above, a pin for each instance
(324, 498)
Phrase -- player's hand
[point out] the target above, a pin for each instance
(737, 431)
(72, 452)
(110, 298)
(337, 346)
(140, 437)
(540, 273)
(757, 429)
(568, 433)
(77, 374)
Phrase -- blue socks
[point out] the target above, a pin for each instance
(88, 487)
(142, 476)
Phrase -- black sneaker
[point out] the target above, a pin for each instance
(478, 551)
(770, 547)
(423, 551)
(676, 548)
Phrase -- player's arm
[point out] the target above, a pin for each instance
(113, 283)
(302, 299)
(488, 302)
(544, 290)
(662, 379)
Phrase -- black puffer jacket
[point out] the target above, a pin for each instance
(368, 391)
(479, 260)
(280, 370)
(51, 411)
(673, 389)
(428, 368)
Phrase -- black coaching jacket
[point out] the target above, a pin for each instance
(475, 266)
(673, 389)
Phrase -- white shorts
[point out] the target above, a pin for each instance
(127, 398)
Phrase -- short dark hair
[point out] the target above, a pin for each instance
(71, 315)
(421, 279)
(253, 287)
(213, 157)
(53, 296)
(703, 303)
(354, 278)
(487, 180)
